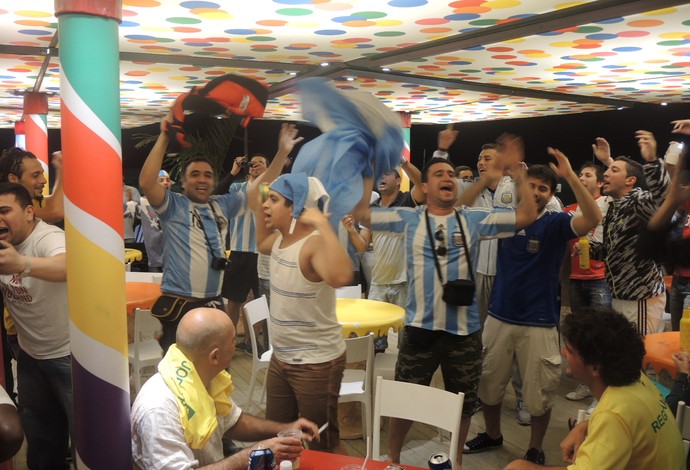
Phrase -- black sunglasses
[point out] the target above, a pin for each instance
(441, 249)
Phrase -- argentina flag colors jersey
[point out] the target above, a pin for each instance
(187, 267)
(425, 307)
(242, 231)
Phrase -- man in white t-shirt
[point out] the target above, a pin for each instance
(33, 274)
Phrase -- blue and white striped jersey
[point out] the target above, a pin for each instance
(425, 307)
(187, 257)
(242, 231)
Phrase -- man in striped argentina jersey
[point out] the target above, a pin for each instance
(437, 333)
(242, 276)
(194, 229)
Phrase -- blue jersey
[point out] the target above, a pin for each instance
(187, 267)
(425, 307)
(242, 231)
(527, 284)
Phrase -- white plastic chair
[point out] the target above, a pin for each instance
(256, 311)
(349, 292)
(683, 418)
(145, 351)
(357, 383)
(418, 403)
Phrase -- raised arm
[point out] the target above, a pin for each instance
(224, 185)
(446, 138)
(328, 260)
(602, 150)
(591, 215)
(677, 196)
(354, 234)
(53, 209)
(287, 139)
(415, 178)
(148, 178)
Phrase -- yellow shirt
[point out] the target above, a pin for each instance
(632, 428)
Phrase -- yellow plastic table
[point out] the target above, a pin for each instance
(360, 317)
(132, 255)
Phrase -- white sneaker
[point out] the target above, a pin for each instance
(524, 418)
(580, 393)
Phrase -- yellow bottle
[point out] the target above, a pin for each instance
(584, 253)
(685, 330)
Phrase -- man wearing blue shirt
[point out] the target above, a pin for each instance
(524, 311)
(437, 238)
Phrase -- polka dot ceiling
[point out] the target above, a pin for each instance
(169, 46)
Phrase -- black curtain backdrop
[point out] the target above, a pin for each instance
(573, 134)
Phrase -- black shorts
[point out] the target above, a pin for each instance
(242, 277)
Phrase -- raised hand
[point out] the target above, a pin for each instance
(681, 126)
(287, 138)
(602, 150)
(447, 136)
(511, 151)
(563, 167)
(647, 144)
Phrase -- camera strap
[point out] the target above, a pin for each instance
(218, 226)
(433, 248)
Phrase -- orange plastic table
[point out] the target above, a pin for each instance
(141, 295)
(360, 317)
(315, 460)
(659, 348)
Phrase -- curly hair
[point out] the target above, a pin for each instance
(604, 337)
(11, 162)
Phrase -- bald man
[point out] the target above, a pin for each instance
(192, 376)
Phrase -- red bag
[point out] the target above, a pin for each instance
(229, 96)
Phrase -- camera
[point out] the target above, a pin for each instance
(220, 264)
(246, 164)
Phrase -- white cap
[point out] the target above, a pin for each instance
(286, 465)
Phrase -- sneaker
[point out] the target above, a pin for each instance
(580, 393)
(535, 456)
(524, 418)
(481, 443)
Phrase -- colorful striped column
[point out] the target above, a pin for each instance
(94, 224)
(36, 129)
(407, 124)
(19, 135)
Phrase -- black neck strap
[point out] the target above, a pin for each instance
(218, 226)
(433, 248)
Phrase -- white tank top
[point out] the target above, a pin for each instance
(303, 325)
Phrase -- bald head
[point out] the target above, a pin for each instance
(203, 329)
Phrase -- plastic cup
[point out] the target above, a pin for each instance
(351, 466)
(297, 434)
(673, 152)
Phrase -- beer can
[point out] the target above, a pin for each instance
(439, 462)
(262, 459)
